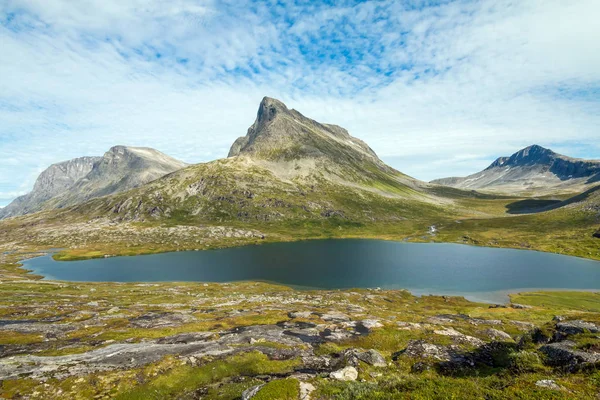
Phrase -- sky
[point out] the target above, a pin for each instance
(436, 87)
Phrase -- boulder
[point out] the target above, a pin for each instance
(496, 334)
(334, 316)
(369, 324)
(548, 384)
(460, 337)
(408, 326)
(520, 306)
(450, 358)
(319, 363)
(576, 327)
(564, 354)
(372, 357)
(345, 374)
(300, 314)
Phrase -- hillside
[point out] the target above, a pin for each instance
(531, 171)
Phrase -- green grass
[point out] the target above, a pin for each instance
(581, 301)
(284, 389)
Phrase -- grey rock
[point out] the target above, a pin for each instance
(520, 306)
(251, 392)
(318, 363)
(372, 357)
(334, 316)
(576, 327)
(306, 390)
(369, 324)
(345, 374)
(459, 337)
(422, 349)
(548, 384)
(564, 354)
(523, 325)
(496, 334)
(300, 314)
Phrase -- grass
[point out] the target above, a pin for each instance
(581, 301)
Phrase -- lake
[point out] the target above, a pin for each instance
(478, 273)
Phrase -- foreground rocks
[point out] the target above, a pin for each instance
(135, 333)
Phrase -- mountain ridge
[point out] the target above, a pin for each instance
(74, 181)
(533, 169)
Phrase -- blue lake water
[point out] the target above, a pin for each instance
(478, 273)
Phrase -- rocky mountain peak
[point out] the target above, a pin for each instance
(282, 134)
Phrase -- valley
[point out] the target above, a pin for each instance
(289, 179)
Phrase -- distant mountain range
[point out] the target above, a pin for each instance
(532, 170)
(75, 181)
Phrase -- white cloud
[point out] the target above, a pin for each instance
(440, 90)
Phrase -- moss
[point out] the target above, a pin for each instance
(284, 389)
(186, 378)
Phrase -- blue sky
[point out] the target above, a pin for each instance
(436, 88)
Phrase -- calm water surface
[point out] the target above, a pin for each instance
(477, 273)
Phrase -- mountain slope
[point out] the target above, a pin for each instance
(51, 182)
(533, 170)
(76, 181)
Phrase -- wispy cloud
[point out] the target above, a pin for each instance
(435, 87)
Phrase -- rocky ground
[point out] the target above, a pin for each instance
(254, 340)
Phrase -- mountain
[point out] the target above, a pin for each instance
(532, 170)
(287, 167)
(280, 134)
(53, 181)
(75, 181)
